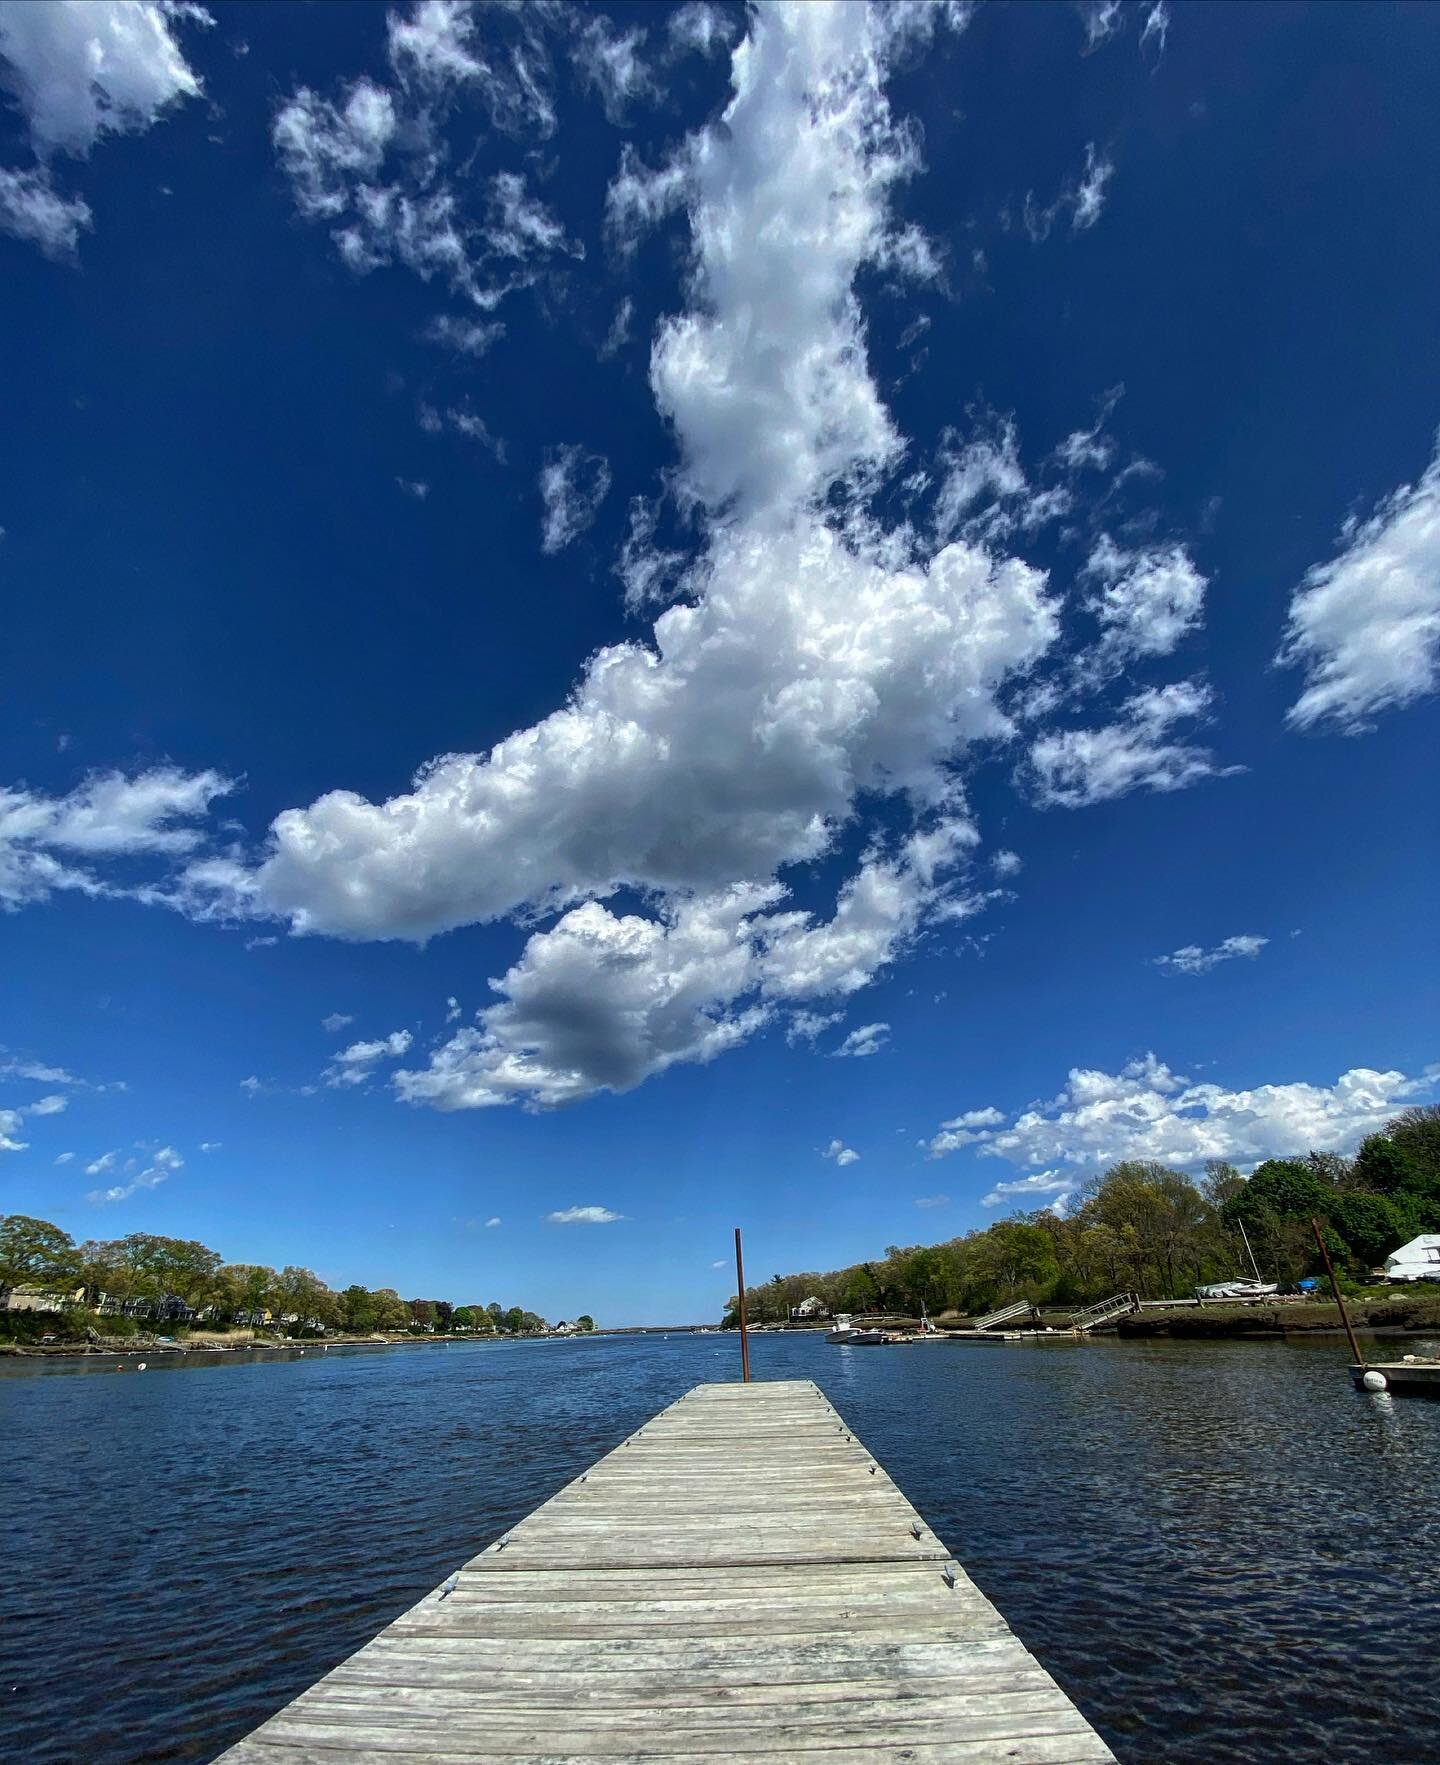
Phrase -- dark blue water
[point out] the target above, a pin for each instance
(1220, 1550)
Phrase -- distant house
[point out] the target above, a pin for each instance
(46, 1299)
(110, 1305)
(810, 1308)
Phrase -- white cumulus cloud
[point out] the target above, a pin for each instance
(80, 69)
(582, 1216)
(840, 1153)
(1365, 627)
(1147, 599)
(1147, 1111)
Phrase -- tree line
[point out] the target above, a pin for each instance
(144, 1272)
(1143, 1227)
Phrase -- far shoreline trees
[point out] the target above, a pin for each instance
(1144, 1228)
(148, 1277)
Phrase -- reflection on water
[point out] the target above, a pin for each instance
(1221, 1550)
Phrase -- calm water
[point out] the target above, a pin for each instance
(1220, 1550)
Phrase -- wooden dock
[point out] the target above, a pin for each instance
(1407, 1375)
(739, 1580)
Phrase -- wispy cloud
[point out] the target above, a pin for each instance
(1194, 959)
(583, 1216)
(870, 1038)
(1053, 1184)
(161, 1166)
(840, 1153)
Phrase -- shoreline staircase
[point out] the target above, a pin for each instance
(1107, 1311)
(1024, 1309)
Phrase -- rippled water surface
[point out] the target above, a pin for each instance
(1219, 1549)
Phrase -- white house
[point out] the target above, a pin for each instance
(44, 1299)
(809, 1308)
(1419, 1260)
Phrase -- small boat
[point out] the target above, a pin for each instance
(845, 1331)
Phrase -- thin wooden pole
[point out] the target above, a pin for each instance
(744, 1325)
(1335, 1289)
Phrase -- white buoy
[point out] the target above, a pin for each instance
(141, 1367)
(1375, 1382)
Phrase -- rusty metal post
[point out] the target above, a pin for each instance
(744, 1325)
(1335, 1289)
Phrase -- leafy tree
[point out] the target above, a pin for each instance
(514, 1319)
(301, 1293)
(1417, 1133)
(1384, 1167)
(358, 1310)
(391, 1311)
(35, 1253)
(584, 1322)
(1371, 1225)
(444, 1312)
(422, 1313)
(248, 1286)
(1221, 1182)
(859, 1291)
(462, 1318)
(1284, 1186)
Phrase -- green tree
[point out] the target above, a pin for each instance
(248, 1286)
(1221, 1182)
(391, 1311)
(33, 1253)
(514, 1319)
(462, 1318)
(1417, 1133)
(1372, 1225)
(1383, 1167)
(302, 1296)
(358, 1310)
(584, 1321)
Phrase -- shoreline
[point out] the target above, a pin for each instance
(289, 1345)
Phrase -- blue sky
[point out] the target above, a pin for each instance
(817, 618)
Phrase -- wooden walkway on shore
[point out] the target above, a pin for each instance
(739, 1580)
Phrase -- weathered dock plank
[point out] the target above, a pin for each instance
(738, 1580)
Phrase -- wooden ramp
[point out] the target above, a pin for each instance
(739, 1580)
